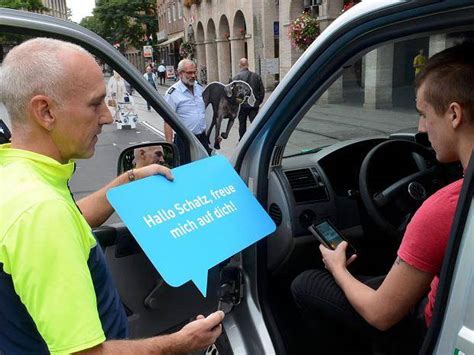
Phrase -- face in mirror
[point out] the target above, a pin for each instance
(153, 154)
(142, 155)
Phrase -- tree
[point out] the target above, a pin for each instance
(27, 5)
(128, 22)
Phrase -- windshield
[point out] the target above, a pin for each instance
(373, 97)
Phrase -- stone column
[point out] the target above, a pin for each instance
(237, 49)
(212, 64)
(200, 58)
(288, 54)
(378, 77)
(439, 43)
(269, 16)
(334, 94)
(223, 57)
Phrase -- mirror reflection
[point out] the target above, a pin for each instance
(145, 154)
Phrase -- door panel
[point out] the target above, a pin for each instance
(152, 306)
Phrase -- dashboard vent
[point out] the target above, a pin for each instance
(275, 213)
(307, 185)
(277, 156)
(300, 178)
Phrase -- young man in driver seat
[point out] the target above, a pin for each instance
(444, 100)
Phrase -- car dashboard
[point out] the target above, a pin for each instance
(309, 188)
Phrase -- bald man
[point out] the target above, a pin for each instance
(56, 292)
(255, 82)
(153, 154)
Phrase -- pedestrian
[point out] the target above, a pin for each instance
(185, 98)
(255, 82)
(56, 292)
(151, 78)
(116, 92)
(419, 61)
(162, 73)
(405, 297)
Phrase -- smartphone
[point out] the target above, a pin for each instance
(330, 237)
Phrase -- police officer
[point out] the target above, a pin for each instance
(185, 98)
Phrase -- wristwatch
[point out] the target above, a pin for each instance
(131, 175)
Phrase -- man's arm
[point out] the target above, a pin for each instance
(417, 62)
(168, 133)
(96, 208)
(403, 287)
(194, 336)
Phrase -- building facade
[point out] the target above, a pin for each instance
(57, 8)
(171, 24)
(225, 31)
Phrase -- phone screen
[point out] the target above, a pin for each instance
(330, 235)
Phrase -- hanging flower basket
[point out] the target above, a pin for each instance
(303, 31)
(188, 3)
(186, 50)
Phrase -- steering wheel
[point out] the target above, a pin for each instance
(391, 202)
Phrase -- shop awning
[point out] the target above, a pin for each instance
(172, 38)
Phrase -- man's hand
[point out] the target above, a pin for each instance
(153, 169)
(336, 259)
(201, 333)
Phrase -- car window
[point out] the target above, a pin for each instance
(374, 96)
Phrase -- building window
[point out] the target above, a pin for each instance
(169, 15)
(174, 12)
(312, 7)
(180, 9)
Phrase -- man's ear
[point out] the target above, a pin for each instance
(41, 110)
(456, 114)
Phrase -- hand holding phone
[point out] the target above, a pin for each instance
(330, 237)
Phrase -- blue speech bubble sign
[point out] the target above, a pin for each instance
(187, 226)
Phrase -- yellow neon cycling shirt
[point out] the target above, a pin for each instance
(53, 279)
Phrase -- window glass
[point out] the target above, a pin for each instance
(373, 97)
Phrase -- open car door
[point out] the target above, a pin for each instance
(452, 329)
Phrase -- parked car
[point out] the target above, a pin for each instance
(339, 129)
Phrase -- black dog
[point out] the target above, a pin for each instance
(226, 101)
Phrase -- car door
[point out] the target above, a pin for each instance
(152, 306)
(452, 330)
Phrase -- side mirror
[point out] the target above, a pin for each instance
(140, 155)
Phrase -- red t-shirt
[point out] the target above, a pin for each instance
(424, 243)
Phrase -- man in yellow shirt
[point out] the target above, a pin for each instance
(56, 292)
(419, 61)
